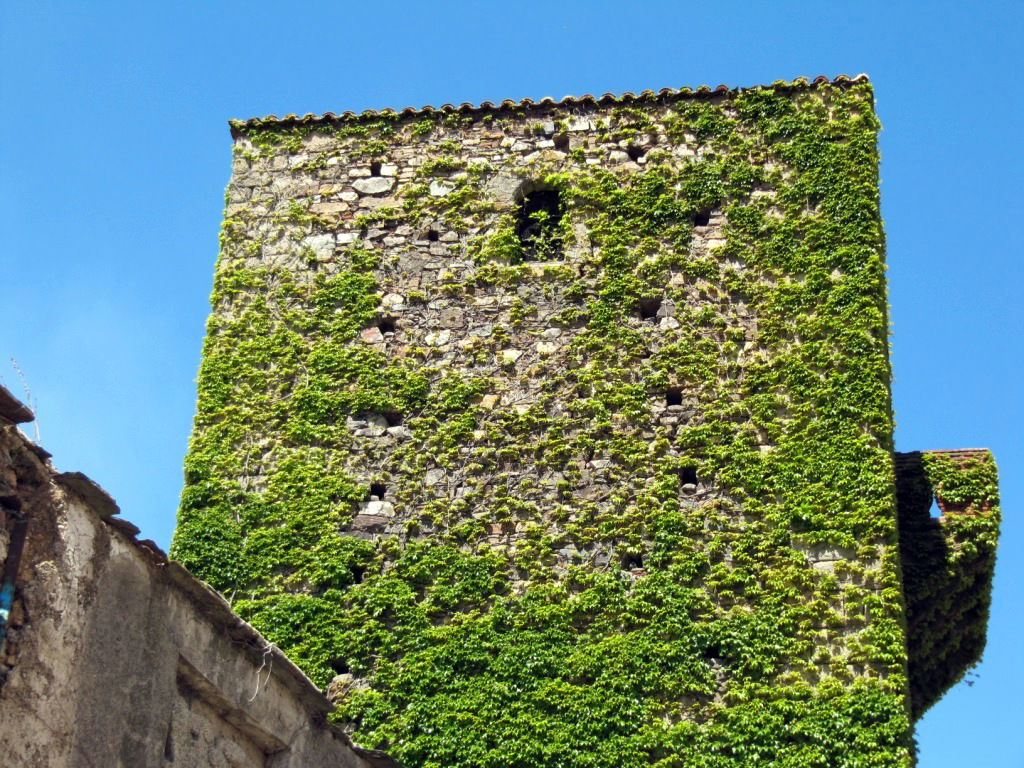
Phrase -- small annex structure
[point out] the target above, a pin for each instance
(560, 434)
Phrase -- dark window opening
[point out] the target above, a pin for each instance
(433, 235)
(378, 490)
(648, 308)
(340, 666)
(688, 479)
(538, 225)
(375, 168)
(561, 141)
(393, 418)
(631, 560)
(713, 656)
(701, 218)
(674, 396)
(634, 152)
(386, 324)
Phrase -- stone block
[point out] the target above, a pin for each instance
(374, 185)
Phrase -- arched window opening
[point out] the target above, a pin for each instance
(538, 225)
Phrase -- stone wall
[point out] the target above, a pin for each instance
(560, 433)
(453, 294)
(520, 331)
(115, 656)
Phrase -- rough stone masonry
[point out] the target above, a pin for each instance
(560, 433)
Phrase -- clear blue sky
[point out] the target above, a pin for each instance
(114, 152)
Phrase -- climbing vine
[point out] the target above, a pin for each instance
(600, 582)
(947, 565)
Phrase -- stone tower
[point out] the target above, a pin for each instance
(559, 433)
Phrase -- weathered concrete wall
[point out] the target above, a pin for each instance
(117, 657)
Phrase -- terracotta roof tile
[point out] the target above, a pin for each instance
(604, 99)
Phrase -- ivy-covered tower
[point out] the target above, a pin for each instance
(559, 434)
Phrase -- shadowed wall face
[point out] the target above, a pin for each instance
(561, 434)
(947, 563)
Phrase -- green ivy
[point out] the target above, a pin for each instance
(726, 648)
(947, 565)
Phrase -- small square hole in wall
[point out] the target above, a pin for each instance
(375, 168)
(631, 560)
(561, 141)
(635, 152)
(433, 235)
(378, 490)
(648, 308)
(393, 418)
(701, 218)
(713, 656)
(674, 396)
(386, 325)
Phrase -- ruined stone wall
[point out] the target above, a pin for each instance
(113, 656)
(559, 434)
